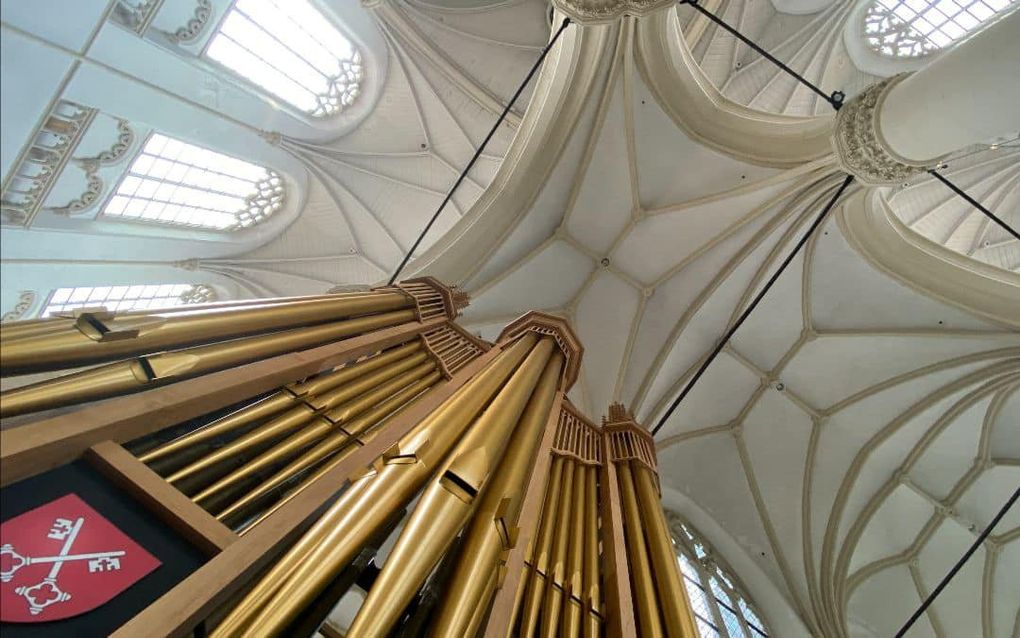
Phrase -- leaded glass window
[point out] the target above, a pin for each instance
(913, 28)
(721, 609)
(291, 50)
(173, 182)
(121, 298)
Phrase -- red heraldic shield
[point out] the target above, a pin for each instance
(64, 559)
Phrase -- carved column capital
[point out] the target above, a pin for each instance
(860, 147)
(601, 11)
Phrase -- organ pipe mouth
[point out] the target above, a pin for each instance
(458, 487)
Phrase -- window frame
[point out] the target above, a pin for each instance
(264, 94)
(103, 217)
(203, 288)
(709, 565)
(872, 47)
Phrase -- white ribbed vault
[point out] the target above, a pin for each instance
(857, 433)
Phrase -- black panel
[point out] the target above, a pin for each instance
(179, 557)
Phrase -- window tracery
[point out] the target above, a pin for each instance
(720, 606)
(291, 50)
(121, 298)
(173, 182)
(915, 28)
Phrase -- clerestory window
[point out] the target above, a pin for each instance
(291, 50)
(173, 182)
(914, 28)
(121, 298)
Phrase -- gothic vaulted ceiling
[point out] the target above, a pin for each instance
(860, 429)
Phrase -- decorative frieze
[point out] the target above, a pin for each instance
(26, 299)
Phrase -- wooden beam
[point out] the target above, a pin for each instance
(178, 611)
(169, 504)
(41, 445)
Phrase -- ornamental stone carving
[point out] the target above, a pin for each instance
(195, 26)
(26, 299)
(860, 147)
(600, 11)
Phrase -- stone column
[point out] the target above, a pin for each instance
(908, 123)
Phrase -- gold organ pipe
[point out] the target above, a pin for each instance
(572, 589)
(673, 601)
(165, 367)
(645, 606)
(325, 468)
(518, 601)
(278, 402)
(273, 603)
(333, 442)
(317, 429)
(234, 622)
(299, 415)
(32, 327)
(493, 526)
(550, 624)
(449, 500)
(100, 337)
(592, 597)
(543, 546)
(481, 610)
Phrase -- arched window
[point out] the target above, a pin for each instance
(173, 182)
(120, 298)
(290, 49)
(913, 28)
(720, 606)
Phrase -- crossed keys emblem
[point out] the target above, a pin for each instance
(47, 592)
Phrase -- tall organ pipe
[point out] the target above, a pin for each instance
(673, 600)
(319, 427)
(592, 626)
(99, 337)
(279, 597)
(532, 609)
(166, 367)
(557, 558)
(572, 591)
(278, 402)
(493, 527)
(645, 605)
(329, 465)
(332, 443)
(302, 413)
(449, 500)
